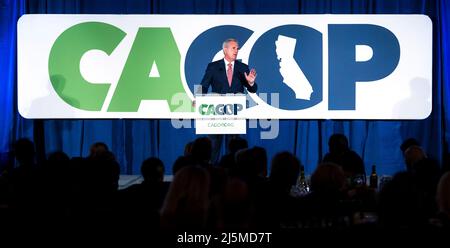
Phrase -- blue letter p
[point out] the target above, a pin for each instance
(345, 71)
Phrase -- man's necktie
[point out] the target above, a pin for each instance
(229, 74)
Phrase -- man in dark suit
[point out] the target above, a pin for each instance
(217, 73)
(225, 76)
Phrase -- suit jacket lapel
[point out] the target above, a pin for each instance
(223, 72)
(235, 73)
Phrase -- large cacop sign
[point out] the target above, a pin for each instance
(148, 66)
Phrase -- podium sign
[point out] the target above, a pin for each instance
(220, 114)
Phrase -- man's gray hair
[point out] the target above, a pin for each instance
(225, 43)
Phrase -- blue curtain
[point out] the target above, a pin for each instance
(133, 140)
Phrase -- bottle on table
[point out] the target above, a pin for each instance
(302, 187)
(373, 178)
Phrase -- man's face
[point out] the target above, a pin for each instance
(231, 51)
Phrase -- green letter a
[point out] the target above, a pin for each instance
(152, 47)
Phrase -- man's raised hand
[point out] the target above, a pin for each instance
(251, 76)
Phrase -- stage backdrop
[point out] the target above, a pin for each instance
(134, 140)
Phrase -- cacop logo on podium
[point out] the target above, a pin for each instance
(220, 114)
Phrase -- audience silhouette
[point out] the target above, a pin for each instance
(341, 154)
(238, 194)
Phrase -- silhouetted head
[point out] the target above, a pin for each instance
(187, 200)
(57, 161)
(252, 162)
(328, 178)
(56, 171)
(413, 154)
(285, 169)
(24, 151)
(105, 171)
(237, 144)
(97, 148)
(58, 156)
(443, 194)
(181, 162)
(152, 169)
(201, 150)
(408, 143)
(245, 164)
(338, 143)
